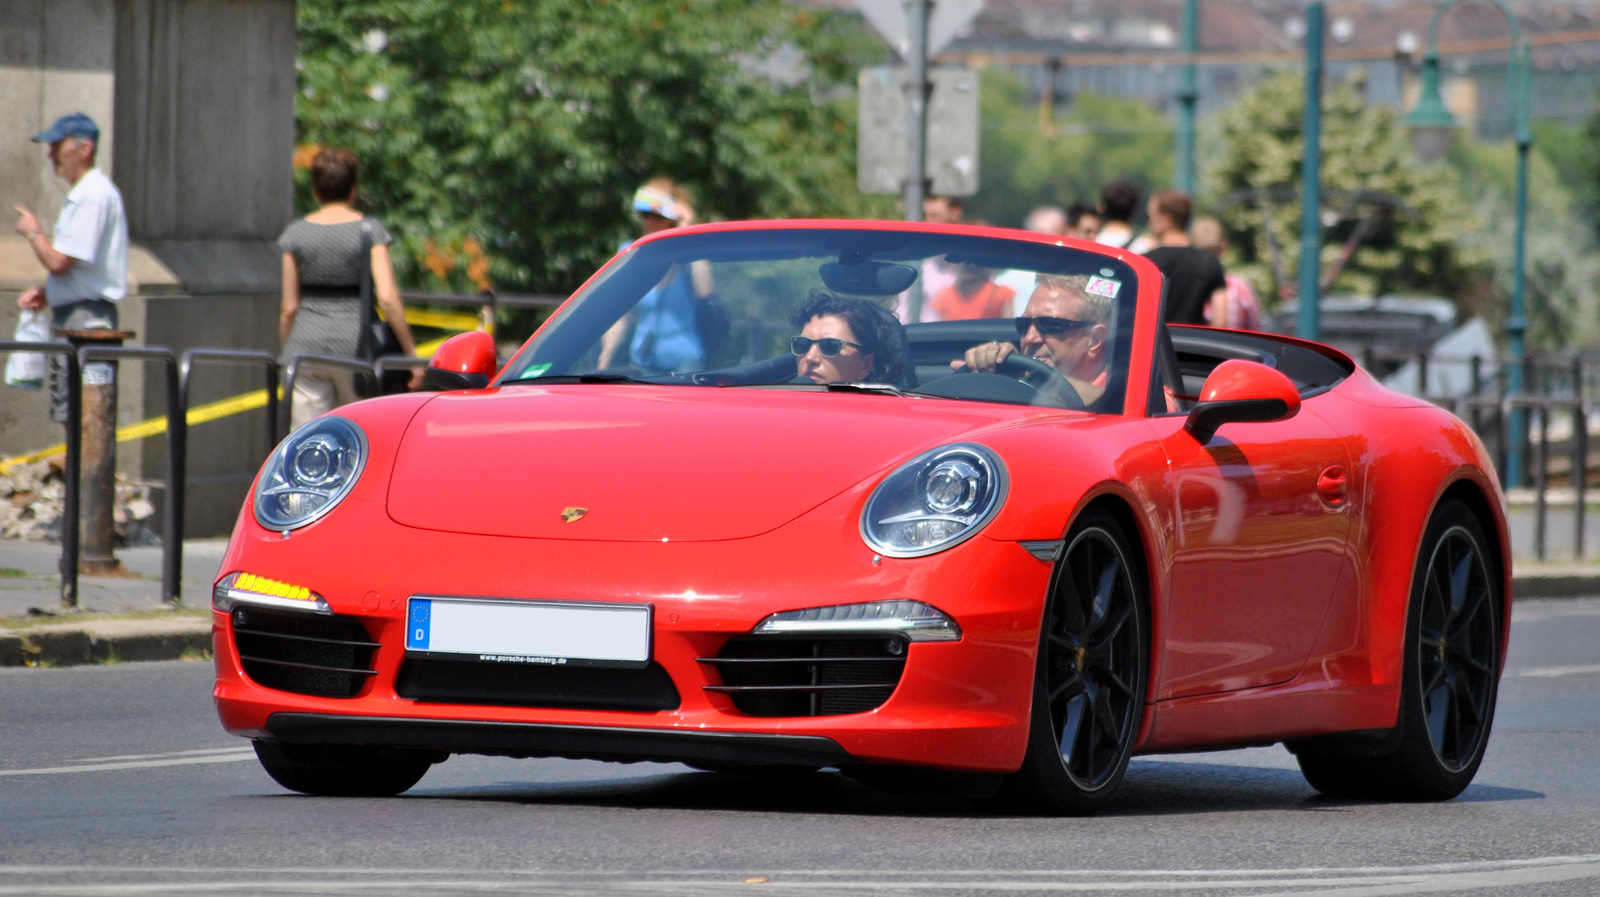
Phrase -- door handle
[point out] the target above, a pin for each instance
(1331, 487)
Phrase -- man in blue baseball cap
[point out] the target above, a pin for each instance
(87, 254)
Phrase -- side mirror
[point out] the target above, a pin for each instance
(464, 361)
(1240, 392)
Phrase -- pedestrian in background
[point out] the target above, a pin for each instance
(936, 275)
(1046, 220)
(1119, 202)
(86, 255)
(1194, 276)
(325, 275)
(1083, 221)
(1243, 309)
(668, 331)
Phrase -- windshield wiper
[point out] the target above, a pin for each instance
(580, 378)
(875, 388)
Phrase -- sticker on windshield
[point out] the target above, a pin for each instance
(539, 370)
(1101, 286)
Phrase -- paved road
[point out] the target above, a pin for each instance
(117, 779)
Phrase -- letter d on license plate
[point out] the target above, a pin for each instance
(510, 631)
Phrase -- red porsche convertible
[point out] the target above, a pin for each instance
(1020, 549)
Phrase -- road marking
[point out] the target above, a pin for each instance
(230, 755)
(1371, 881)
(1553, 672)
(165, 754)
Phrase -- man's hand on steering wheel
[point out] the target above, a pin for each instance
(1006, 360)
(985, 357)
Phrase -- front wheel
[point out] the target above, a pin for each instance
(343, 770)
(1089, 682)
(1448, 685)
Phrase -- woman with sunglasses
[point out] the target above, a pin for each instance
(845, 340)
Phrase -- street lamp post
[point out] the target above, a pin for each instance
(1430, 124)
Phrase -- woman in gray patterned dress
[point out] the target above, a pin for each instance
(321, 311)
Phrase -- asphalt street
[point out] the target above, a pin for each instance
(117, 779)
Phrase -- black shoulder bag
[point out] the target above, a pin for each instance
(377, 337)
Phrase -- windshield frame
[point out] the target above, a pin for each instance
(607, 298)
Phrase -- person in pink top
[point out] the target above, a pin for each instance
(1244, 309)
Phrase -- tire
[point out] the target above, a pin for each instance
(342, 770)
(1448, 684)
(1090, 678)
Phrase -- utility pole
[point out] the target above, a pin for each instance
(1188, 94)
(1308, 320)
(917, 14)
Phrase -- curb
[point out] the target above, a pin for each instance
(1557, 583)
(105, 641)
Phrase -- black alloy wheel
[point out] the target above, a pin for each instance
(1448, 685)
(1457, 650)
(1094, 660)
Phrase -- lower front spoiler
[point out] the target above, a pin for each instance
(544, 740)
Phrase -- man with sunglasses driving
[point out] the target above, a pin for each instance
(1064, 326)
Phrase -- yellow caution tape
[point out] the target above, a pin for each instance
(442, 320)
(239, 404)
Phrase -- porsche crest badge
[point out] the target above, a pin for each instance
(573, 515)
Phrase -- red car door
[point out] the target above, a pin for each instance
(1260, 539)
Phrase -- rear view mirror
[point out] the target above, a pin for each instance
(868, 278)
(1241, 392)
(464, 361)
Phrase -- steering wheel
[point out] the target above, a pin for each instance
(1042, 377)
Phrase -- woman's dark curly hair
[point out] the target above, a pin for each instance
(874, 327)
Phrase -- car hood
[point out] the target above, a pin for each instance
(649, 463)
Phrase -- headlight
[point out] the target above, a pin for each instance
(937, 499)
(310, 472)
(917, 621)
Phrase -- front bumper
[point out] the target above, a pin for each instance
(958, 705)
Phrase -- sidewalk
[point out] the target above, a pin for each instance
(124, 619)
(119, 619)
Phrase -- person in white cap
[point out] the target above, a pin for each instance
(87, 254)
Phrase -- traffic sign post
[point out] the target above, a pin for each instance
(952, 132)
(918, 30)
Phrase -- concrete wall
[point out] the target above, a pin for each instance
(195, 101)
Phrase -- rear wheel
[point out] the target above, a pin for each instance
(343, 770)
(1449, 682)
(1089, 683)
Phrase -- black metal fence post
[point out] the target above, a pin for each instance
(177, 461)
(74, 440)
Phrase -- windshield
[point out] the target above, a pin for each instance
(842, 310)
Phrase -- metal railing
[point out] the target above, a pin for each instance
(74, 440)
(291, 373)
(177, 460)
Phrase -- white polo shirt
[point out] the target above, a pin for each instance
(93, 230)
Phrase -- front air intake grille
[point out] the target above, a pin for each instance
(328, 657)
(647, 689)
(812, 676)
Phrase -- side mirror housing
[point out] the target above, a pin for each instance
(464, 361)
(1241, 392)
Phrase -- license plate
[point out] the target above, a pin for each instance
(542, 632)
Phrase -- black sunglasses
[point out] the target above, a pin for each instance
(1049, 326)
(830, 346)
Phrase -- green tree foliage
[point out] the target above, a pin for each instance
(1562, 270)
(1417, 218)
(502, 139)
(1027, 162)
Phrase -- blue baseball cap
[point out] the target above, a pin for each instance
(74, 125)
